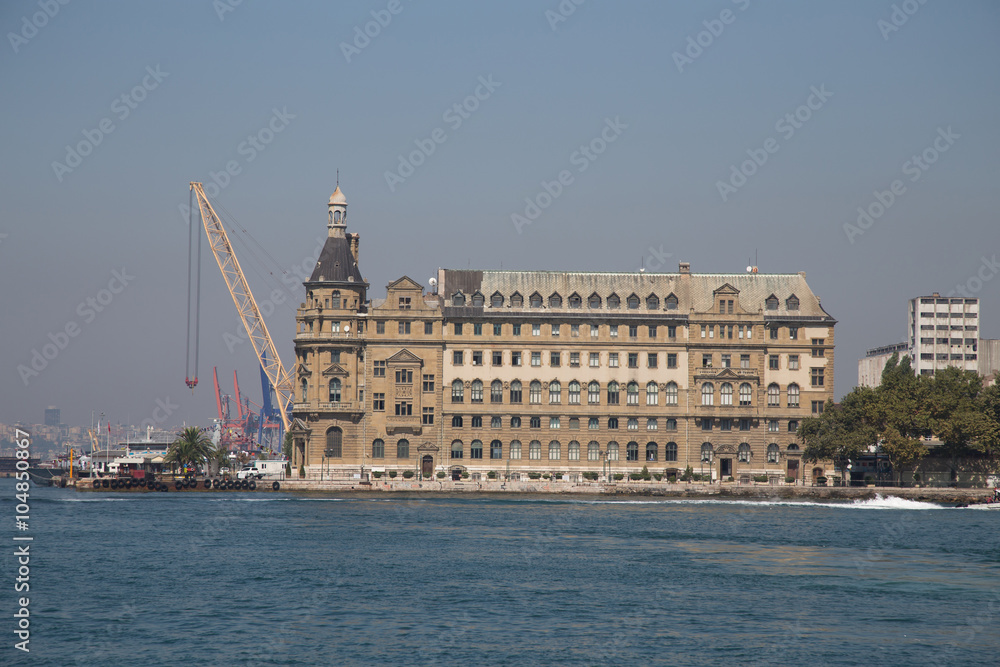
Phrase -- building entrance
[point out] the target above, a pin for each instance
(725, 468)
(427, 466)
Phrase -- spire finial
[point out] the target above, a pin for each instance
(338, 178)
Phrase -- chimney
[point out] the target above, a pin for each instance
(685, 267)
(354, 240)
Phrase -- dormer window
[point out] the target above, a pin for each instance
(496, 301)
(792, 302)
(516, 300)
(575, 301)
(555, 301)
(536, 300)
(652, 302)
(614, 302)
(458, 299)
(478, 300)
(771, 303)
(594, 301)
(671, 301)
(633, 302)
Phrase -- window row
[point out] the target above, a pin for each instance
(574, 392)
(555, 300)
(651, 331)
(744, 453)
(555, 359)
(574, 423)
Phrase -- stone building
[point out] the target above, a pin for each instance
(518, 373)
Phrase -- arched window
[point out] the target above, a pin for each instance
(515, 391)
(456, 421)
(708, 394)
(515, 449)
(652, 451)
(633, 303)
(535, 300)
(793, 447)
(772, 453)
(773, 395)
(496, 391)
(612, 451)
(632, 451)
(746, 394)
(457, 391)
(575, 301)
(496, 450)
(632, 392)
(554, 451)
(652, 393)
(612, 423)
(612, 393)
(476, 449)
(496, 300)
(515, 422)
(496, 421)
(555, 392)
(594, 301)
(670, 451)
(304, 391)
(458, 299)
(334, 443)
(652, 302)
(743, 453)
(593, 451)
(335, 299)
(378, 448)
(335, 390)
(671, 302)
(555, 301)
(632, 424)
(403, 449)
(535, 392)
(614, 302)
(573, 452)
(516, 300)
(534, 450)
(478, 300)
(594, 392)
(726, 394)
(706, 452)
(574, 393)
(671, 393)
(456, 449)
(793, 395)
(476, 393)
(477, 421)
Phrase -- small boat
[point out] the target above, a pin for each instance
(984, 506)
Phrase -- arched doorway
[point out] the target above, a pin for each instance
(427, 466)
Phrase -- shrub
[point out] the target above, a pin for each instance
(407, 474)
(916, 477)
(546, 476)
(492, 474)
(789, 480)
(392, 474)
(465, 475)
(302, 470)
(729, 479)
(440, 474)
(821, 480)
(868, 479)
(645, 473)
(672, 477)
(288, 469)
(696, 476)
(534, 475)
(657, 476)
(688, 474)
(760, 478)
(590, 475)
(377, 474)
(635, 476)
(619, 476)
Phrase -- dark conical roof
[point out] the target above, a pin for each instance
(336, 263)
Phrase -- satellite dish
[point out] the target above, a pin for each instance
(749, 269)
(347, 327)
(432, 282)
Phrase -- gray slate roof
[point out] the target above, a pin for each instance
(336, 264)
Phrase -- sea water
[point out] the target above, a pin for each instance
(369, 578)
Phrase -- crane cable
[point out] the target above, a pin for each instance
(195, 271)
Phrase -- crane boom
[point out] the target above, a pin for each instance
(254, 324)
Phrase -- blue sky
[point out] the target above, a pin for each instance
(224, 76)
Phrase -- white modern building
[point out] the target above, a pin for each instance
(943, 331)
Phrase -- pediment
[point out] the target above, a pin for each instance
(303, 370)
(728, 374)
(404, 356)
(405, 282)
(726, 288)
(335, 369)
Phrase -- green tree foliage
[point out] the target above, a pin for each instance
(191, 446)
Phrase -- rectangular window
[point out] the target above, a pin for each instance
(818, 351)
(536, 329)
(574, 423)
(428, 385)
(671, 360)
(706, 361)
(774, 333)
(613, 359)
(428, 416)
(553, 422)
(595, 331)
(652, 331)
(793, 333)
(772, 425)
(555, 329)
(651, 360)
(574, 330)
(458, 328)
(744, 424)
(515, 358)
(404, 328)
(793, 362)
(536, 358)
(706, 424)
(613, 331)
(671, 332)
(554, 359)
(772, 362)
(633, 331)
(651, 424)
(477, 358)
(335, 327)
(516, 329)
(817, 407)
(404, 376)
(477, 329)
(404, 303)
(378, 402)
(593, 423)
(574, 359)
(633, 360)
(725, 424)
(816, 376)
(744, 361)
(727, 360)
(380, 327)
(379, 369)
(497, 329)
(428, 328)
(730, 304)
(497, 358)
(595, 359)
(404, 409)
(457, 358)
(335, 357)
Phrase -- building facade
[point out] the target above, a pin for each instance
(943, 331)
(519, 373)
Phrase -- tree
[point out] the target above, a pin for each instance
(901, 414)
(961, 415)
(191, 446)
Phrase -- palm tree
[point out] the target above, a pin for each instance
(191, 446)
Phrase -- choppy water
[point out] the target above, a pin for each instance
(274, 579)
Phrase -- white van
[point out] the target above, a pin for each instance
(262, 469)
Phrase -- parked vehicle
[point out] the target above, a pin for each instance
(262, 469)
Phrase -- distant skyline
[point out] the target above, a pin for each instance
(855, 141)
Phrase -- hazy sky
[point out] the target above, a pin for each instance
(111, 108)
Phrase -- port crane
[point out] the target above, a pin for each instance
(267, 354)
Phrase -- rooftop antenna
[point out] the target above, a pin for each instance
(338, 177)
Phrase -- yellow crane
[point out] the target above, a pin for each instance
(253, 322)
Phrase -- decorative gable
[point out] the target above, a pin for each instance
(404, 356)
(335, 369)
